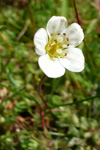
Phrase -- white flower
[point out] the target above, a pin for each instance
(56, 45)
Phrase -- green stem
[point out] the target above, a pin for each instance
(88, 54)
(80, 101)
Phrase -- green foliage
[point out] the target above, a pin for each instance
(72, 119)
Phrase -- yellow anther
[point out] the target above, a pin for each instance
(59, 51)
(64, 34)
(60, 40)
(58, 34)
(67, 39)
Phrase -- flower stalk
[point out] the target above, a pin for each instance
(44, 105)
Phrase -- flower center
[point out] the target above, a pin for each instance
(56, 45)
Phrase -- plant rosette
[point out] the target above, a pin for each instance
(56, 47)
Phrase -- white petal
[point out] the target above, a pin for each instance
(52, 68)
(40, 41)
(75, 34)
(74, 61)
(56, 25)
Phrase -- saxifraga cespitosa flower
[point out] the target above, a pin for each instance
(56, 47)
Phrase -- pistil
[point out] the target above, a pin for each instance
(56, 44)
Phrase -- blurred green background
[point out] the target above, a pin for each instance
(73, 118)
